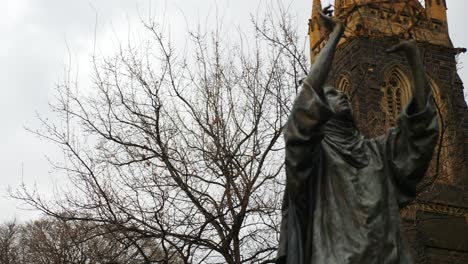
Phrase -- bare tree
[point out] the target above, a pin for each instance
(182, 148)
(49, 240)
(8, 243)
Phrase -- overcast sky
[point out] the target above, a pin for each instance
(41, 37)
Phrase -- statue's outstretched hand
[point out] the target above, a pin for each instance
(329, 21)
(421, 87)
(404, 45)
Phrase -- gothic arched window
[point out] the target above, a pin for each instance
(344, 86)
(397, 92)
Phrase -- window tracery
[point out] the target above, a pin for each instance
(397, 92)
(344, 86)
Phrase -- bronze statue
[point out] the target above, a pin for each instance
(343, 191)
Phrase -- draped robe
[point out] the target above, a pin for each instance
(343, 191)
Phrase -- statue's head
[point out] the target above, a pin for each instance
(341, 131)
(339, 102)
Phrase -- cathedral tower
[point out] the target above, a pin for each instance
(379, 85)
(437, 10)
(316, 30)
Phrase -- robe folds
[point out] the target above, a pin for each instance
(343, 191)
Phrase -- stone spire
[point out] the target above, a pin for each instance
(437, 9)
(338, 5)
(316, 30)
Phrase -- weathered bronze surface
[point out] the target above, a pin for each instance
(343, 191)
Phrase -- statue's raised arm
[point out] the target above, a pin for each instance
(311, 109)
(420, 85)
(319, 70)
(408, 147)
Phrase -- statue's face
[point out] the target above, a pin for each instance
(338, 101)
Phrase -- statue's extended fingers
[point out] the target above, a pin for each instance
(327, 10)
